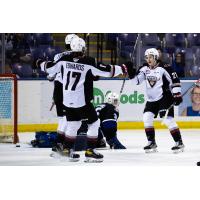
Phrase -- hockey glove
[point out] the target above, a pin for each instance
(177, 98)
(36, 64)
(51, 78)
(131, 71)
(124, 69)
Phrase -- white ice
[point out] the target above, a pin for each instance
(134, 155)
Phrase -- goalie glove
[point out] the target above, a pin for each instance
(177, 98)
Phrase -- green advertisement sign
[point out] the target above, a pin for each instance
(133, 98)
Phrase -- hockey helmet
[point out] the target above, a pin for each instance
(152, 51)
(112, 98)
(77, 45)
(69, 38)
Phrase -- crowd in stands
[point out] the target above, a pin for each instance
(180, 50)
(22, 50)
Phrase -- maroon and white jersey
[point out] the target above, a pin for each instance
(78, 77)
(158, 81)
(58, 76)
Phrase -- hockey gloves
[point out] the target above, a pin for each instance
(177, 98)
(130, 70)
(36, 64)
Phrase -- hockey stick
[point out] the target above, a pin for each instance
(122, 87)
(52, 105)
(124, 79)
(196, 84)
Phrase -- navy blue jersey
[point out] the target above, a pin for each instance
(107, 112)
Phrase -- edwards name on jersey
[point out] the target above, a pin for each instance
(77, 75)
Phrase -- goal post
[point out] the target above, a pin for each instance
(8, 108)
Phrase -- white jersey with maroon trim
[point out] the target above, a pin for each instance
(58, 76)
(78, 77)
(158, 81)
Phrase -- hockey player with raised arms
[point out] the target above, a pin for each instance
(58, 94)
(78, 94)
(163, 90)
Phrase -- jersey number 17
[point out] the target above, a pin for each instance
(72, 76)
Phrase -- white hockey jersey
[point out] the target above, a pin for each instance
(58, 76)
(158, 81)
(78, 77)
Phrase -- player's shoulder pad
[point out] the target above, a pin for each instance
(141, 67)
(109, 106)
(65, 57)
(163, 64)
(100, 106)
(88, 60)
(60, 55)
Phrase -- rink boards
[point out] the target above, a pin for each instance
(35, 100)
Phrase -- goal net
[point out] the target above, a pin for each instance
(8, 108)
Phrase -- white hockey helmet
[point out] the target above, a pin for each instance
(112, 98)
(77, 45)
(69, 38)
(152, 51)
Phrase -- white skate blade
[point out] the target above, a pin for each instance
(151, 151)
(58, 155)
(54, 154)
(68, 159)
(178, 151)
(74, 159)
(93, 160)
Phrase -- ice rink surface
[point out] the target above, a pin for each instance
(134, 155)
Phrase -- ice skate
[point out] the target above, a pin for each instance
(115, 144)
(91, 155)
(59, 151)
(56, 150)
(151, 147)
(69, 153)
(101, 143)
(178, 147)
(198, 163)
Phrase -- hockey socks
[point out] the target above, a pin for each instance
(151, 146)
(69, 142)
(179, 146)
(60, 138)
(150, 133)
(176, 135)
(91, 142)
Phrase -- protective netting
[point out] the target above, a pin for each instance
(6, 109)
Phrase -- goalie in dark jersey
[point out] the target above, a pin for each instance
(163, 90)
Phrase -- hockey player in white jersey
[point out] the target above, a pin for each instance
(58, 95)
(77, 71)
(163, 90)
